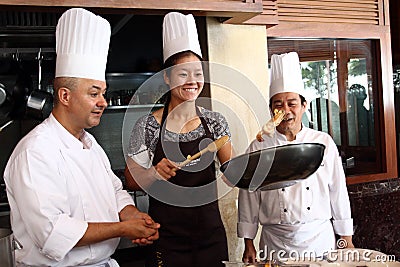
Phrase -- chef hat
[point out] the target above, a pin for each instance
(286, 75)
(179, 34)
(82, 41)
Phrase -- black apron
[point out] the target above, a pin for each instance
(189, 235)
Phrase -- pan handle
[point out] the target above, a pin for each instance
(16, 244)
(5, 125)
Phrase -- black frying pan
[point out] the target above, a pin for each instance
(274, 167)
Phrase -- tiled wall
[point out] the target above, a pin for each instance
(376, 213)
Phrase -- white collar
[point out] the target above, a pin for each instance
(67, 138)
(299, 136)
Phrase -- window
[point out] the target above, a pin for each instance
(342, 80)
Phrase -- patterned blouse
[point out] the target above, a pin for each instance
(145, 135)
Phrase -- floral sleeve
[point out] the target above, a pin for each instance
(142, 140)
(217, 123)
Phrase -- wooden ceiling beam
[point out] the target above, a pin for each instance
(233, 11)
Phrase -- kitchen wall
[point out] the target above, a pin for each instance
(243, 50)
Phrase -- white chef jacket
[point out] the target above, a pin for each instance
(56, 184)
(298, 218)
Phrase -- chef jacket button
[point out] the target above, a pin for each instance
(308, 208)
(285, 210)
(308, 188)
(283, 189)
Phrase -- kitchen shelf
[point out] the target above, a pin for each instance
(4, 204)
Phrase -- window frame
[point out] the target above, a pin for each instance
(385, 119)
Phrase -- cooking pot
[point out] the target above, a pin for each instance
(39, 104)
(274, 167)
(3, 94)
(8, 244)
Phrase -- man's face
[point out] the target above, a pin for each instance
(294, 110)
(87, 103)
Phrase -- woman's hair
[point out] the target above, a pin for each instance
(172, 61)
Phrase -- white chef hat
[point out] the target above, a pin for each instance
(179, 34)
(286, 75)
(82, 41)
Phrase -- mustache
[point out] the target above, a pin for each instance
(288, 118)
(101, 109)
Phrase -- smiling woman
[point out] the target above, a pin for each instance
(162, 139)
(182, 198)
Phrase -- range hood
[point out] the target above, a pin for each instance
(20, 29)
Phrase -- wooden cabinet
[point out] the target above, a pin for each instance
(343, 19)
(367, 12)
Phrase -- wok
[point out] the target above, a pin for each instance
(274, 167)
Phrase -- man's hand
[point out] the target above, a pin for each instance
(150, 223)
(131, 212)
(147, 229)
(249, 254)
(141, 231)
(349, 241)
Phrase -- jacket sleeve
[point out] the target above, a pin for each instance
(340, 203)
(122, 196)
(248, 208)
(38, 193)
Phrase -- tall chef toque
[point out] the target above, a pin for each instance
(286, 75)
(82, 41)
(179, 34)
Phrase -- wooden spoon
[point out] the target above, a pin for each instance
(212, 147)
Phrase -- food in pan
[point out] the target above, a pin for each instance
(269, 127)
